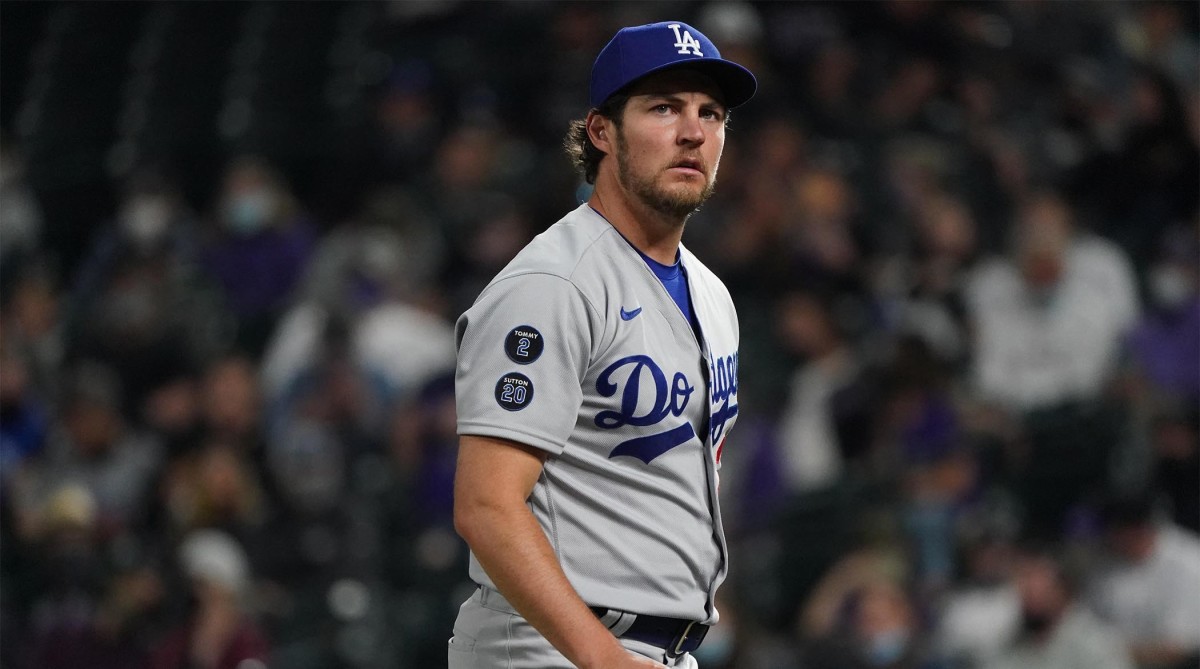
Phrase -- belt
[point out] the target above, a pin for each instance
(675, 635)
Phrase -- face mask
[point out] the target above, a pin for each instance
(145, 220)
(249, 213)
(887, 647)
(1036, 623)
(1169, 286)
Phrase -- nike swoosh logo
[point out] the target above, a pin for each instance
(630, 315)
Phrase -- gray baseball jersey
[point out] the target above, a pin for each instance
(576, 348)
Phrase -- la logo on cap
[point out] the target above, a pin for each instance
(685, 42)
(637, 51)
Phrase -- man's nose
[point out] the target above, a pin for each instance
(691, 131)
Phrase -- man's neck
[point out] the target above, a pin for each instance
(651, 232)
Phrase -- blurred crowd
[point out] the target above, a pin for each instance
(964, 243)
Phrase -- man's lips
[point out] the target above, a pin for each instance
(689, 166)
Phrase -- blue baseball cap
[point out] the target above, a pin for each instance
(638, 51)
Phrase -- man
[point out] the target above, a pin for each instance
(1050, 320)
(596, 381)
(1150, 589)
(1049, 325)
(1056, 630)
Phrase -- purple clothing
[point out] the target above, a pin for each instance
(22, 433)
(764, 490)
(1167, 347)
(70, 647)
(932, 434)
(258, 273)
(248, 642)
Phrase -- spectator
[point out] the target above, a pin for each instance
(402, 344)
(1167, 42)
(96, 448)
(1165, 344)
(140, 303)
(172, 413)
(946, 248)
(882, 561)
(390, 251)
(215, 487)
(465, 174)
(1175, 469)
(877, 626)
(919, 436)
(231, 403)
(24, 416)
(1165, 369)
(823, 231)
(219, 632)
(980, 614)
(258, 248)
(70, 580)
(31, 318)
(113, 637)
(1057, 631)
(408, 122)
(1049, 321)
(1151, 588)
(221, 403)
(1049, 325)
(337, 392)
(1141, 186)
(825, 426)
(376, 279)
(831, 106)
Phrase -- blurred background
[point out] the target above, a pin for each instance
(235, 236)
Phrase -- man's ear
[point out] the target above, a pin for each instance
(600, 129)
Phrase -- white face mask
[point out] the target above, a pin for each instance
(145, 220)
(1170, 286)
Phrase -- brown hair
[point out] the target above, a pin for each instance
(584, 155)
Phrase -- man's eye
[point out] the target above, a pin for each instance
(662, 109)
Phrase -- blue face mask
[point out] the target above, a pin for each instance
(886, 648)
(249, 213)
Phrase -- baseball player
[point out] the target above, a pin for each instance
(596, 382)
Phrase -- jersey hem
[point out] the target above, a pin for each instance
(529, 439)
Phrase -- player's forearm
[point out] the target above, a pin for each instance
(513, 550)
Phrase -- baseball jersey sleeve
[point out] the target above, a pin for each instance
(523, 350)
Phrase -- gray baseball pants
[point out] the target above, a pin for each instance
(490, 634)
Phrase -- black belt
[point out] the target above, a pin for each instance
(675, 635)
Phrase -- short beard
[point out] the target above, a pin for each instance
(673, 205)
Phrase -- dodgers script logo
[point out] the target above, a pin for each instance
(684, 41)
(723, 372)
(669, 400)
(633, 374)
